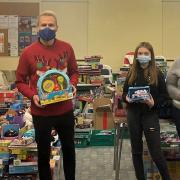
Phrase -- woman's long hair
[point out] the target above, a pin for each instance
(150, 72)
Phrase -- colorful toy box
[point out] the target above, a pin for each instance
(139, 93)
(10, 131)
(7, 96)
(54, 86)
(24, 168)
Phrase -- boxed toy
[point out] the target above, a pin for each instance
(54, 86)
(7, 94)
(20, 177)
(24, 168)
(10, 131)
(24, 141)
(139, 93)
(24, 152)
(5, 143)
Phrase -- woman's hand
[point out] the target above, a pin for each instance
(128, 99)
(149, 101)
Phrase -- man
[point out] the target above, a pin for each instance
(49, 52)
(173, 87)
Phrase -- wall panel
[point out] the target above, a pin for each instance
(73, 23)
(171, 29)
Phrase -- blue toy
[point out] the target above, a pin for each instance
(54, 86)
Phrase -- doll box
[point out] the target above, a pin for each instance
(54, 86)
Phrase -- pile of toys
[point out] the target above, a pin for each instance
(170, 144)
(18, 150)
(90, 70)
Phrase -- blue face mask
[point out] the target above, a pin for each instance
(143, 59)
(47, 34)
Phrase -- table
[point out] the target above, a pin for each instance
(120, 125)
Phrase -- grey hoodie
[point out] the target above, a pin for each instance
(173, 83)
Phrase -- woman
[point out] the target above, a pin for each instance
(173, 86)
(142, 115)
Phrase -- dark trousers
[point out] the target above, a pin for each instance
(176, 119)
(64, 125)
(139, 122)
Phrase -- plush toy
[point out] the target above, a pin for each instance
(28, 118)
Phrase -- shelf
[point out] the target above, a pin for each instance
(87, 87)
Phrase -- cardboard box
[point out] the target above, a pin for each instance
(103, 116)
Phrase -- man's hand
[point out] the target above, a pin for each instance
(74, 90)
(36, 101)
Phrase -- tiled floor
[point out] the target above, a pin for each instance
(96, 163)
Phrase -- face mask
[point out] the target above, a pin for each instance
(143, 59)
(47, 34)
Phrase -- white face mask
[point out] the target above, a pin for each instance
(143, 59)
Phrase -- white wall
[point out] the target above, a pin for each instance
(111, 28)
(118, 26)
(73, 23)
(171, 29)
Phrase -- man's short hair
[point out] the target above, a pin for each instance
(47, 13)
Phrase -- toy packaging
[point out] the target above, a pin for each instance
(140, 93)
(23, 168)
(22, 141)
(10, 131)
(54, 86)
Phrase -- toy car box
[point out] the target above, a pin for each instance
(54, 86)
(139, 93)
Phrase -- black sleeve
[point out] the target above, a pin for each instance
(163, 96)
(125, 90)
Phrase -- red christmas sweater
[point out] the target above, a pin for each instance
(37, 59)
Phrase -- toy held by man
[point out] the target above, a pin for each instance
(137, 94)
(54, 86)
